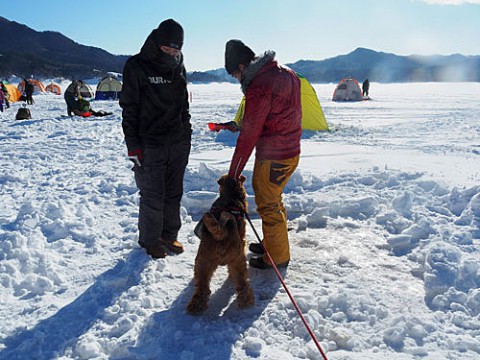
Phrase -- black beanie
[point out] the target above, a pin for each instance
(236, 53)
(169, 33)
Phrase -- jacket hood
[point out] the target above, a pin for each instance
(255, 66)
(151, 52)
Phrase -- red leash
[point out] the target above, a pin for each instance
(312, 335)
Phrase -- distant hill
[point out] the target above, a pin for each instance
(47, 54)
(376, 66)
(24, 51)
(383, 67)
(218, 75)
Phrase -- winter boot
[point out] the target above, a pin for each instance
(256, 248)
(259, 263)
(173, 246)
(155, 251)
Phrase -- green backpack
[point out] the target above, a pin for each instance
(83, 105)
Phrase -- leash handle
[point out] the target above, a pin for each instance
(312, 335)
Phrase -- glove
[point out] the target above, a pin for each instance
(136, 156)
(231, 125)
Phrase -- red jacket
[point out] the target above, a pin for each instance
(272, 121)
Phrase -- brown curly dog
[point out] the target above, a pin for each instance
(222, 242)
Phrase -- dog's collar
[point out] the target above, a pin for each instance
(217, 210)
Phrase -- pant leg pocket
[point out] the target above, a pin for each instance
(278, 173)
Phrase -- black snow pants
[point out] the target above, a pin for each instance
(160, 181)
(71, 102)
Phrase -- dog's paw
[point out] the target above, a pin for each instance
(210, 221)
(214, 227)
(196, 306)
(245, 298)
(225, 217)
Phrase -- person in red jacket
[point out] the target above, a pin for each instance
(272, 123)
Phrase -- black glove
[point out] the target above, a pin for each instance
(232, 126)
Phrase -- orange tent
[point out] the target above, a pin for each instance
(348, 90)
(38, 86)
(53, 88)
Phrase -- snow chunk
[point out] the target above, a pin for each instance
(253, 346)
(34, 285)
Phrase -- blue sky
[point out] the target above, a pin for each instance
(301, 29)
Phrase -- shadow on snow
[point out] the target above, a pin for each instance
(174, 334)
(50, 336)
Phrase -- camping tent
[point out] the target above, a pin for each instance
(37, 86)
(53, 88)
(347, 90)
(313, 117)
(13, 93)
(85, 90)
(108, 88)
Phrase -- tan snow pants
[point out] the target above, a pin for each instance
(269, 180)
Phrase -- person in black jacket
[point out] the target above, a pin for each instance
(29, 89)
(157, 129)
(365, 87)
(5, 92)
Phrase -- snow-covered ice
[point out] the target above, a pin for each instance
(384, 211)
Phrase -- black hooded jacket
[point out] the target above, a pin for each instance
(154, 98)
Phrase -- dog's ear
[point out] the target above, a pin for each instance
(242, 179)
(221, 180)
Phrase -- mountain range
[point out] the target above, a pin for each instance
(376, 66)
(47, 54)
(24, 51)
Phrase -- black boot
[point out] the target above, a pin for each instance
(259, 263)
(256, 248)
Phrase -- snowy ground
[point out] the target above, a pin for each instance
(385, 243)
